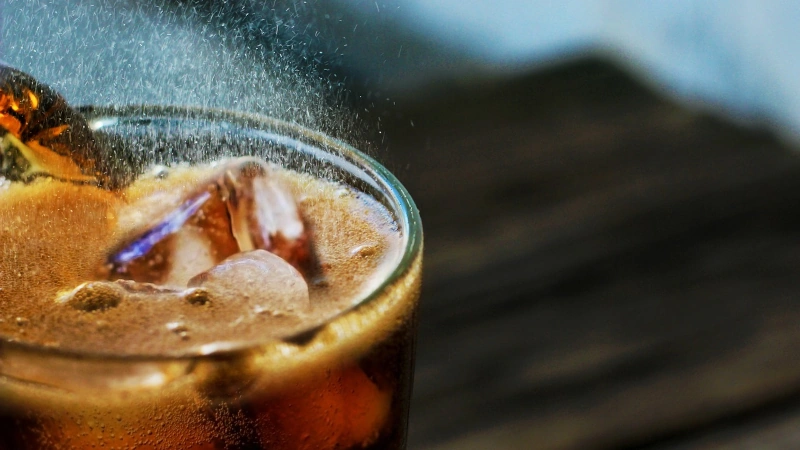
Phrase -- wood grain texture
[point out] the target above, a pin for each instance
(604, 269)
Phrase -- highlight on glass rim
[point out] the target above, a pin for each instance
(189, 278)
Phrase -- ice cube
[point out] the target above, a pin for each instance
(261, 278)
(263, 213)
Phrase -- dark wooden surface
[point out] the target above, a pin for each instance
(604, 269)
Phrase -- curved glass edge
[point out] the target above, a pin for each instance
(99, 116)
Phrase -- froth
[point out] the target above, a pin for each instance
(56, 234)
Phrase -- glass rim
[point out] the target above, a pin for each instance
(406, 213)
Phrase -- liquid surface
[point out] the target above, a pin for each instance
(56, 234)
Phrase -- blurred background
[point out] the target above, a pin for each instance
(609, 189)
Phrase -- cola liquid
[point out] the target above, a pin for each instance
(175, 278)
